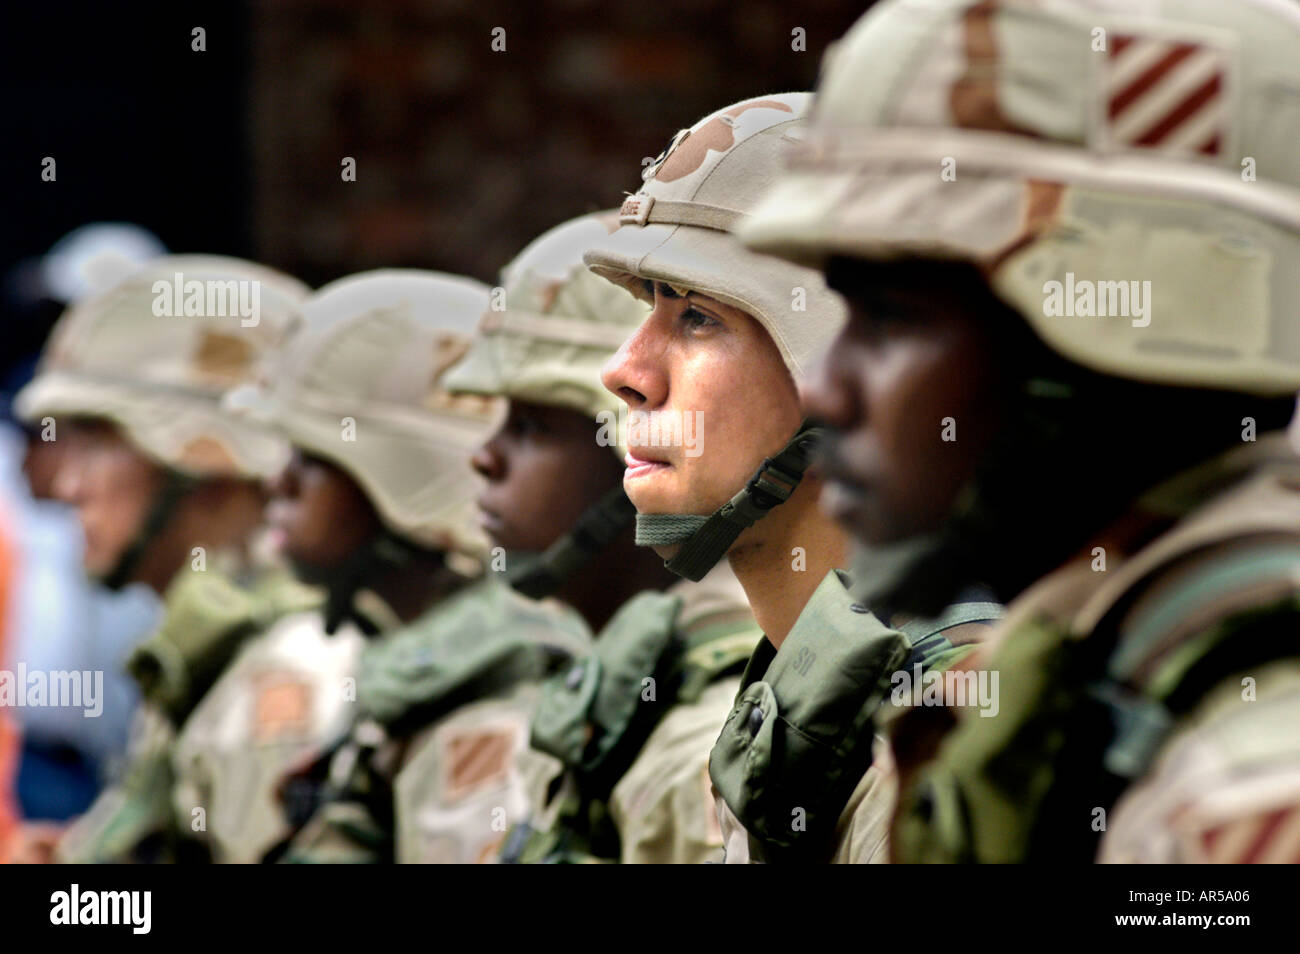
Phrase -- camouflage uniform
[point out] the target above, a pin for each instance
(792, 767)
(1162, 690)
(620, 740)
(159, 378)
(361, 386)
(283, 699)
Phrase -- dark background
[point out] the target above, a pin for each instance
(463, 154)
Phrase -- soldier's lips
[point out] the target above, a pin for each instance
(490, 521)
(641, 466)
(277, 538)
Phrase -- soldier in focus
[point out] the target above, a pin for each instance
(1119, 471)
(730, 334)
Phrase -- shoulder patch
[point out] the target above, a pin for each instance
(282, 707)
(475, 758)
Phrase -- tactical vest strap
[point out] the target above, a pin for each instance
(481, 641)
(1093, 686)
(799, 738)
(926, 634)
(1160, 641)
(591, 717)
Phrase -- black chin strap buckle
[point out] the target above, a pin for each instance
(776, 479)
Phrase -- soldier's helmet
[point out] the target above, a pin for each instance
(678, 227)
(1054, 142)
(360, 385)
(155, 350)
(551, 326)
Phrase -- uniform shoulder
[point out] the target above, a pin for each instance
(480, 641)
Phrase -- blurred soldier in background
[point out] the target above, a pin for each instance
(60, 619)
(378, 508)
(730, 334)
(621, 738)
(1100, 295)
(166, 488)
(373, 508)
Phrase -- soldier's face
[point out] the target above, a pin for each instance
(908, 389)
(318, 516)
(697, 362)
(110, 484)
(543, 468)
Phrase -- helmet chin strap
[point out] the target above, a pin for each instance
(706, 539)
(537, 575)
(384, 552)
(176, 485)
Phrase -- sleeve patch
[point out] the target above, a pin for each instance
(476, 758)
(283, 706)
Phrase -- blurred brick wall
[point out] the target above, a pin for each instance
(465, 154)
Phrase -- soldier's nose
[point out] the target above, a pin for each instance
(635, 373)
(488, 462)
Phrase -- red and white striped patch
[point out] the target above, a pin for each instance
(1166, 95)
(1266, 838)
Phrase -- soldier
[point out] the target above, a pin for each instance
(622, 737)
(378, 508)
(167, 490)
(1059, 232)
(730, 334)
(372, 508)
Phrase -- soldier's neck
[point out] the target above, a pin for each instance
(411, 591)
(612, 578)
(789, 553)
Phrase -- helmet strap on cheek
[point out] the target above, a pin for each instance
(174, 489)
(540, 575)
(706, 539)
(383, 553)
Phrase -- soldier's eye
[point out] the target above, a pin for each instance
(696, 320)
(521, 425)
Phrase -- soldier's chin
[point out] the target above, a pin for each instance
(313, 574)
(97, 566)
(668, 550)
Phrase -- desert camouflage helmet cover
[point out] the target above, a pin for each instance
(360, 385)
(552, 325)
(1091, 140)
(155, 350)
(676, 229)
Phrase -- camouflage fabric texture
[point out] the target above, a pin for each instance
(1065, 160)
(283, 701)
(361, 384)
(1136, 679)
(435, 766)
(632, 725)
(795, 768)
(155, 352)
(552, 326)
(678, 227)
(207, 618)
